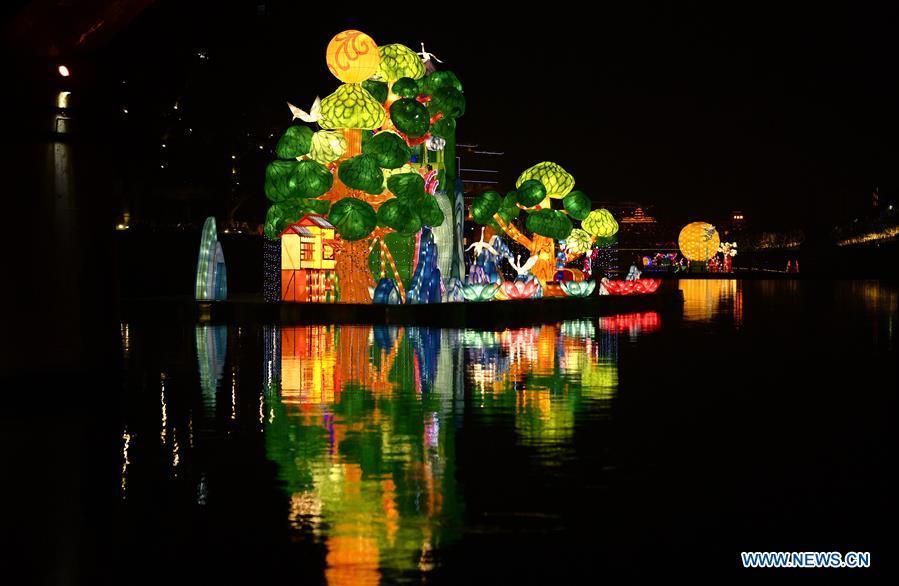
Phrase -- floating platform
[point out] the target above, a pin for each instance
(476, 315)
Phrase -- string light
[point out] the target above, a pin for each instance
(271, 275)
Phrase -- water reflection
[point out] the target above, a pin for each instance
(364, 441)
(705, 299)
(363, 423)
(633, 324)
(544, 375)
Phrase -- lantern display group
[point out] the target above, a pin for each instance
(367, 205)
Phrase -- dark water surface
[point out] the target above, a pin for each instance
(762, 418)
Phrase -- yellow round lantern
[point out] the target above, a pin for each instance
(352, 56)
(698, 241)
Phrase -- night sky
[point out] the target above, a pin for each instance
(697, 110)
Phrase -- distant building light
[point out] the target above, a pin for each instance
(63, 71)
(233, 157)
(62, 99)
(124, 110)
(163, 145)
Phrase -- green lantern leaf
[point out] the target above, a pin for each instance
(388, 149)
(398, 61)
(295, 142)
(557, 181)
(439, 79)
(509, 208)
(409, 186)
(353, 218)
(600, 223)
(448, 100)
(363, 173)
(278, 218)
(444, 128)
(405, 87)
(577, 204)
(579, 241)
(410, 117)
(327, 146)
(485, 206)
(312, 179)
(399, 216)
(280, 182)
(351, 106)
(315, 206)
(430, 212)
(530, 193)
(550, 223)
(377, 89)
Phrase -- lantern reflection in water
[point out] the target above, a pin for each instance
(707, 298)
(360, 435)
(363, 428)
(632, 324)
(543, 375)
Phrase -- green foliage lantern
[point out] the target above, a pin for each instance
(509, 209)
(363, 173)
(312, 179)
(399, 215)
(449, 101)
(485, 206)
(278, 217)
(579, 241)
(405, 87)
(600, 223)
(295, 142)
(388, 149)
(280, 182)
(444, 128)
(531, 193)
(410, 186)
(550, 223)
(430, 83)
(577, 204)
(410, 117)
(377, 89)
(398, 61)
(557, 181)
(286, 180)
(314, 206)
(353, 218)
(327, 146)
(351, 106)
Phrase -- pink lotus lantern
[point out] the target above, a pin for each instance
(636, 287)
(520, 289)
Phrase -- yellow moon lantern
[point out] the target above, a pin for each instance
(352, 56)
(698, 241)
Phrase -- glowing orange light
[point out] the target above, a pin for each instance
(352, 56)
